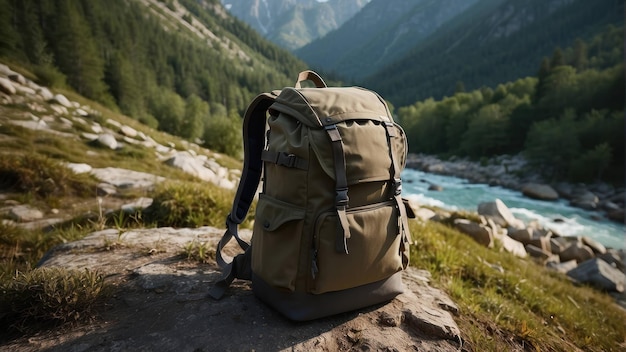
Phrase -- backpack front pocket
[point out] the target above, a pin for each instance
(373, 248)
(276, 241)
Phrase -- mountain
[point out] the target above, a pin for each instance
(294, 23)
(379, 34)
(493, 42)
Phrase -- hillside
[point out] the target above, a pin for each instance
(184, 66)
(294, 23)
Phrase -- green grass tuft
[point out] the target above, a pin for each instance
(50, 297)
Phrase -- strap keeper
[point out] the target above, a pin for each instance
(397, 185)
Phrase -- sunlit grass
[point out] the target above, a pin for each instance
(505, 300)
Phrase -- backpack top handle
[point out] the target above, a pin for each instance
(309, 75)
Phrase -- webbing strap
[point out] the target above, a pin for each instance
(403, 224)
(253, 142)
(341, 189)
(285, 159)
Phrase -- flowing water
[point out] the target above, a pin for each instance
(459, 194)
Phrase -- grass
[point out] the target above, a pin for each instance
(50, 296)
(522, 306)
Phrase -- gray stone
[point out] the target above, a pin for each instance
(62, 100)
(539, 191)
(537, 252)
(139, 204)
(128, 131)
(600, 274)
(108, 140)
(596, 247)
(512, 246)
(193, 166)
(478, 232)
(25, 213)
(45, 93)
(500, 213)
(126, 179)
(562, 267)
(576, 251)
(6, 86)
(79, 168)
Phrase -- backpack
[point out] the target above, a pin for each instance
(330, 230)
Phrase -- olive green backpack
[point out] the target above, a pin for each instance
(330, 230)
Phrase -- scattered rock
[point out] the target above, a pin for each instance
(500, 213)
(600, 274)
(25, 213)
(108, 140)
(6, 86)
(539, 191)
(62, 100)
(479, 233)
(126, 179)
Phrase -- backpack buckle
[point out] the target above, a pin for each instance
(397, 185)
(285, 159)
(341, 197)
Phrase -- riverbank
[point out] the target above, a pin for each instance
(513, 172)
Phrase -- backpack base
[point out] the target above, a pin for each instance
(302, 306)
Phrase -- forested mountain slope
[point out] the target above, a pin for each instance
(381, 33)
(183, 66)
(294, 23)
(493, 42)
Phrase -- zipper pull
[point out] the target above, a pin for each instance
(314, 269)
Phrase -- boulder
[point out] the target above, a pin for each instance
(512, 246)
(45, 93)
(576, 251)
(161, 304)
(500, 213)
(562, 267)
(6, 86)
(25, 213)
(523, 235)
(108, 140)
(126, 179)
(599, 274)
(193, 166)
(596, 247)
(539, 191)
(537, 252)
(79, 168)
(62, 100)
(478, 232)
(128, 131)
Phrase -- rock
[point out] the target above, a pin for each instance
(523, 235)
(512, 246)
(16, 77)
(539, 191)
(562, 267)
(126, 179)
(424, 214)
(62, 100)
(157, 286)
(105, 189)
(436, 188)
(612, 258)
(108, 140)
(6, 86)
(193, 166)
(576, 251)
(596, 247)
(617, 215)
(600, 274)
(25, 213)
(500, 213)
(478, 232)
(139, 204)
(128, 131)
(537, 252)
(79, 168)
(45, 93)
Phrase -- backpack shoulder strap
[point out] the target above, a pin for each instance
(254, 143)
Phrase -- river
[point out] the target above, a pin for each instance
(460, 194)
